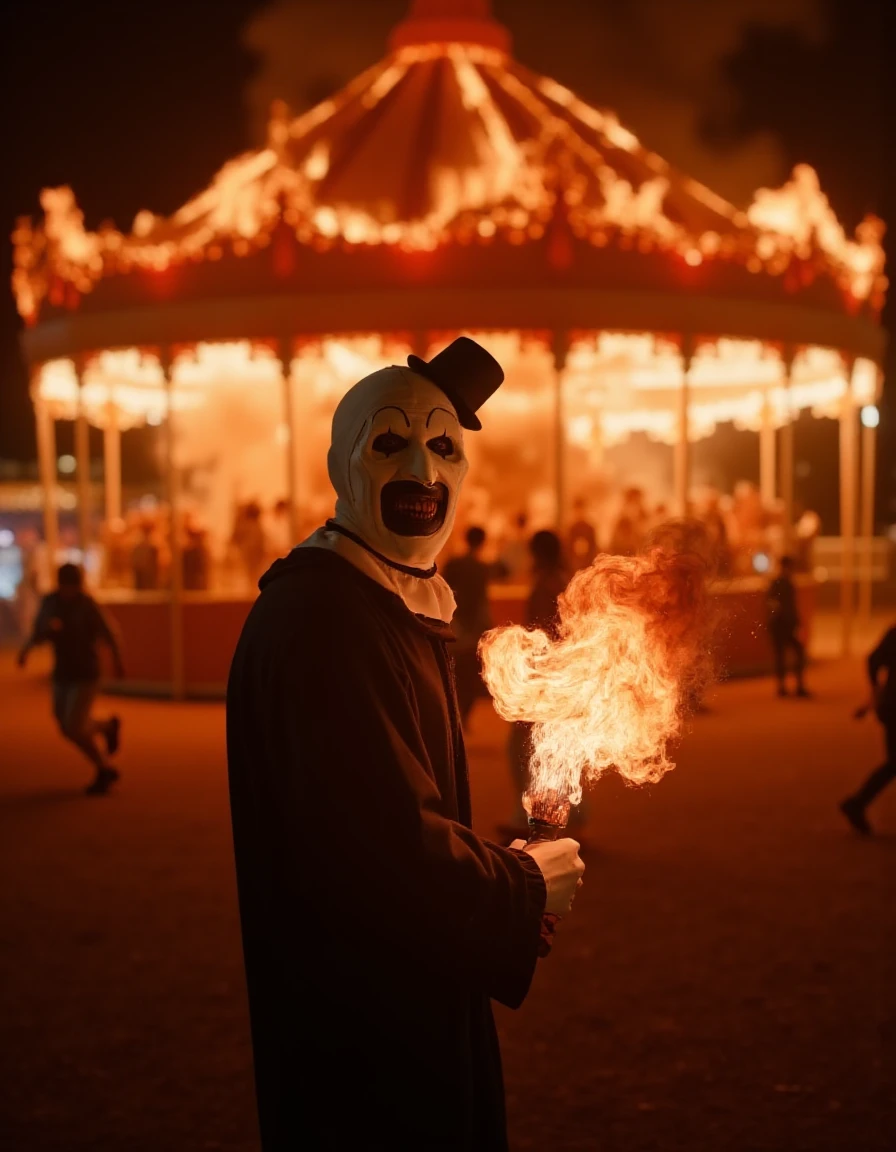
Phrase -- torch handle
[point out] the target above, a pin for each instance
(540, 831)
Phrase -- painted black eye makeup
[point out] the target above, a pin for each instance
(442, 446)
(389, 443)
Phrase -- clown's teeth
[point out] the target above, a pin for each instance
(423, 508)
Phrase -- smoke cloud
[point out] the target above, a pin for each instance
(657, 63)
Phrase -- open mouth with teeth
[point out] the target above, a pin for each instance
(412, 509)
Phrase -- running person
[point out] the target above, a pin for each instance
(71, 620)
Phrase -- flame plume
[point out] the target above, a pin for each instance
(611, 687)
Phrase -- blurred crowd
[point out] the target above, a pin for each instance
(747, 535)
(135, 552)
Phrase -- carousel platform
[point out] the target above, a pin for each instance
(187, 648)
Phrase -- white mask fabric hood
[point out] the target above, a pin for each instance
(397, 463)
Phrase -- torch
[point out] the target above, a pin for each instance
(610, 686)
(548, 814)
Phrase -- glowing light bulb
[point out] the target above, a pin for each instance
(870, 416)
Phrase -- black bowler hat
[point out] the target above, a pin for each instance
(466, 373)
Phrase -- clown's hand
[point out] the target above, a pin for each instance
(562, 868)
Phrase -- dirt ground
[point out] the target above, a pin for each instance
(726, 983)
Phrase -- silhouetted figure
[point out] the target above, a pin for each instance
(581, 540)
(784, 627)
(468, 577)
(717, 536)
(72, 622)
(515, 553)
(883, 703)
(145, 560)
(280, 529)
(196, 561)
(626, 539)
(251, 542)
(549, 579)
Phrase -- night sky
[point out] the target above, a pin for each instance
(136, 106)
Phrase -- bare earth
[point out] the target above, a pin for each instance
(726, 983)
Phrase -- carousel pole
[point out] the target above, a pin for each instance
(82, 459)
(682, 460)
(46, 460)
(112, 465)
(284, 352)
(767, 454)
(176, 582)
(560, 350)
(786, 473)
(848, 485)
(869, 460)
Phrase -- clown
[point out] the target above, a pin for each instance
(376, 925)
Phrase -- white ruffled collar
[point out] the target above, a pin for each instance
(428, 596)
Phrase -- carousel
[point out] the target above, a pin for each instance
(446, 190)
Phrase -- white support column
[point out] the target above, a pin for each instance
(682, 460)
(869, 461)
(112, 466)
(560, 348)
(82, 463)
(786, 460)
(289, 419)
(768, 455)
(848, 493)
(176, 584)
(46, 459)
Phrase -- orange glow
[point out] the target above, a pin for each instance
(492, 170)
(615, 383)
(798, 218)
(627, 382)
(611, 689)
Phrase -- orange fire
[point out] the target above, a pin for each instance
(611, 687)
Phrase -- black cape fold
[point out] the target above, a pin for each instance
(376, 925)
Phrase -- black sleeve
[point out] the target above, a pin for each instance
(346, 760)
(883, 656)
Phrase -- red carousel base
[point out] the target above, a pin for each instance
(210, 627)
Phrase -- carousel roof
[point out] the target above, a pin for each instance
(449, 141)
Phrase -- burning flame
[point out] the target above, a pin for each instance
(611, 687)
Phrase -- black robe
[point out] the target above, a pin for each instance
(376, 925)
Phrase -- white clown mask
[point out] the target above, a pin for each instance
(397, 463)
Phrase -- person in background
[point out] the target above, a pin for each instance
(145, 559)
(626, 539)
(252, 543)
(549, 579)
(116, 558)
(468, 577)
(71, 621)
(717, 535)
(196, 559)
(784, 627)
(883, 704)
(280, 530)
(515, 553)
(581, 540)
